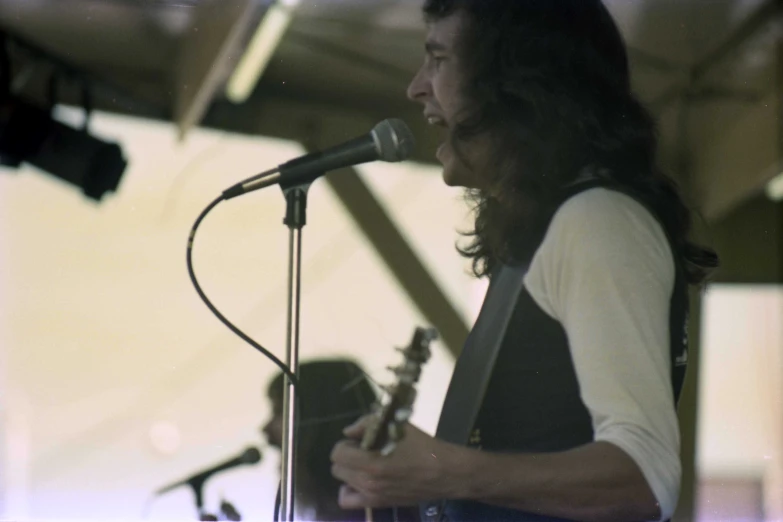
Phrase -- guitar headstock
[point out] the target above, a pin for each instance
(393, 412)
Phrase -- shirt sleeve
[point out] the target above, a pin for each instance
(606, 273)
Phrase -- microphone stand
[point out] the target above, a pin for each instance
(295, 219)
(197, 484)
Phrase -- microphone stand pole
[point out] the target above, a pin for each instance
(197, 484)
(295, 219)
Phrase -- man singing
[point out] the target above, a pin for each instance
(563, 402)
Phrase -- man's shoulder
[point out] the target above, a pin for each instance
(599, 204)
(602, 212)
(601, 222)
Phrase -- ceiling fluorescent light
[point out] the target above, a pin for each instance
(260, 50)
(775, 188)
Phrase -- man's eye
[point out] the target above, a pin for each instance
(438, 60)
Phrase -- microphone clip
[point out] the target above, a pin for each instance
(296, 206)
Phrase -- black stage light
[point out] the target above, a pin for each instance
(30, 134)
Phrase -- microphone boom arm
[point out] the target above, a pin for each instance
(196, 482)
(391, 140)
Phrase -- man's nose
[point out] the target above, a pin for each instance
(419, 88)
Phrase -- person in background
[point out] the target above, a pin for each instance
(332, 393)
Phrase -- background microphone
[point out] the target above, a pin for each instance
(391, 140)
(249, 456)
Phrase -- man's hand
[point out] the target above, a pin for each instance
(416, 471)
(596, 482)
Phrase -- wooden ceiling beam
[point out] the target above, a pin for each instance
(734, 151)
(207, 54)
(401, 259)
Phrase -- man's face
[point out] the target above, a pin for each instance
(273, 429)
(438, 87)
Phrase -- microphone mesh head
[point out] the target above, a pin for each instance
(251, 455)
(394, 140)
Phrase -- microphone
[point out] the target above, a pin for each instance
(250, 456)
(391, 140)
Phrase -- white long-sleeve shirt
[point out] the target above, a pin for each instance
(606, 273)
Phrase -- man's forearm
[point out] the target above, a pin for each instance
(593, 483)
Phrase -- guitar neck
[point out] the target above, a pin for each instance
(387, 425)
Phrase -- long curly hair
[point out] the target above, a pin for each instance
(548, 82)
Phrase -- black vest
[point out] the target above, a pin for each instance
(514, 387)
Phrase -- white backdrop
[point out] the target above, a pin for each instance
(740, 427)
(119, 378)
(115, 379)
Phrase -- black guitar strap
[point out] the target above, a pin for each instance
(475, 363)
(474, 366)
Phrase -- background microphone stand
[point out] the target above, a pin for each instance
(295, 219)
(197, 485)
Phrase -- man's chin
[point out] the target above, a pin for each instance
(450, 179)
(454, 178)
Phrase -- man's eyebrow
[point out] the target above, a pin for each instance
(431, 46)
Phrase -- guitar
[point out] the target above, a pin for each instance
(391, 414)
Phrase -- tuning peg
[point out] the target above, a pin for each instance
(388, 448)
(431, 334)
(403, 414)
(397, 370)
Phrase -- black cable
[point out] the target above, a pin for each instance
(215, 311)
(240, 333)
